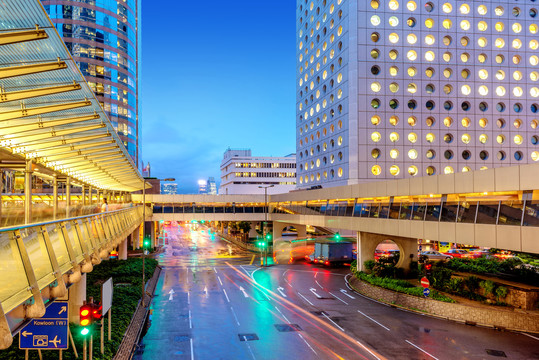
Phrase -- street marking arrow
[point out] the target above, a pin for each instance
(206, 290)
(280, 289)
(346, 293)
(55, 341)
(313, 290)
(26, 333)
(63, 309)
(171, 293)
(243, 291)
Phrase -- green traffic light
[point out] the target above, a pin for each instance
(268, 236)
(337, 236)
(84, 331)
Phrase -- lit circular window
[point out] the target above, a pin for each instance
(465, 138)
(412, 170)
(483, 90)
(393, 4)
(482, 26)
(412, 154)
(534, 76)
(447, 40)
(448, 138)
(447, 8)
(393, 71)
(394, 137)
(431, 170)
(517, 28)
(447, 24)
(411, 5)
(534, 60)
(464, 57)
(375, 120)
(483, 74)
(464, 9)
(517, 44)
(465, 25)
(517, 75)
(448, 89)
(393, 153)
(500, 123)
(517, 123)
(375, 136)
(412, 120)
(375, 4)
(534, 124)
(411, 55)
(482, 10)
(482, 42)
(517, 91)
(500, 139)
(339, 172)
(339, 141)
(447, 73)
(483, 138)
(533, 28)
(394, 170)
(466, 169)
(393, 38)
(429, 56)
(465, 89)
(448, 170)
(375, 37)
(448, 121)
(499, 43)
(429, 40)
(393, 21)
(499, 11)
(430, 137)
(412, 137)
(375, 153)
(412, 88)
(376, 170)
(499, 59)
(465, 73)
(534, 44)
(534, 92)
(411, 38)
(517, 139)
(376, 87)
(516, 59)
(535, 155)
(465, 122)
(431, 154)
(499, 26)
(375, 53)
(394, 120)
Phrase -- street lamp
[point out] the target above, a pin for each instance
(265, 261)
(144, 230)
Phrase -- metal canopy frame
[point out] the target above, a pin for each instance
(48, 113)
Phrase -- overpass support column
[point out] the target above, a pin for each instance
(28, 192)
(77, 294)
(90, 200)
(252, 232)
(135, 238)
(152, 234)
(366, 244)
(122, 249)
(278, 228)
(302, 230)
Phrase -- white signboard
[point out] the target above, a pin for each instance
(106, 296)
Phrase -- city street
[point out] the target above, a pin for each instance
(211, 304)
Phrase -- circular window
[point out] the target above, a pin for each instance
(517, 107)
(535, 139)
(411, 22)
(431, 154)
(430, 137)
(448, 154)
(394, 137)
(375, 120)
(375, 70)
(375, 153)
(375, 136)
(393, 153)
(466, 155)
(465, 106)
(412, 120)
(376, 87)
(412, 6)
(394, 170)
(375, 37)
(430, 121)
(465, 138)
(376, 170)
(501, 155)
(431, 170)
(535, 155)
(448, 170)
(412, 170)
(483, 106)
(448, 121)
(448, 105)
(412, 154)
(375, 103)
(375, 53)
(394, 120)
(412, 104)
(465, 122)
(517, 139)
(448, 138)
(393, 103)
(430, 105)
(412, 137)
(518, 155)
(500, 107)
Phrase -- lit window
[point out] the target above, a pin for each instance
(534, 60)
(465, 138)
(431, 171)
(339, 78)
(447, 8)
(411, 55)
(447, 24)
(447, 73)
(482, 42)
(376, 170)
(429, 40)
(483, 74)
(393, 21)
(465, 25)
(517, 75)
(448, 121)
(411, 38)
(412, 88)
(375, 120)
(393, 153)
(412, 120)
(517, 28)
(393, 4)
(500, 75)
(375, 153)
(412, 137)
(412, 170)
(394, 120)
(465, 122)
(393, 137)
(534, 91)
(412, 71)
(465, 89)
(500, 139)
(394, 170)
(482, 26)
(464, 57)
(430, 137)
(498, 11)
(517, 44)
(429, 56)
(533, 28)
(393, 38)
(483, 138)
(448, 170)
(499, 26)
(499, 43)
(375, 4)
(483, 122)
(393, 54)
(412, 154)
(517, 91)
(464, 9)
(429, 23)
(375, 136)
(517, 139)
(483, 90)
(534, 44)
(376, 87)
(412, 6)
(482, 10)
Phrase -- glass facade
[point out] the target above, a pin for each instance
(102, 37)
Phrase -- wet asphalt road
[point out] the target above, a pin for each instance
(213, 306)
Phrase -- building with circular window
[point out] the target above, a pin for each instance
(102, 37)
(407, 88)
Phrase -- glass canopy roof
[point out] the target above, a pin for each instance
(48, 113)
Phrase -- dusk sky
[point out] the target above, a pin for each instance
(215, 74)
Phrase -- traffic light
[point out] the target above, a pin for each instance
(261, 244)
(268, 237)
(337, 236)
(97, 310)
(428, 269)
(146, 243)
(86, 318)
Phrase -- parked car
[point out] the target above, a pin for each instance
(458, 253)
(435, 255)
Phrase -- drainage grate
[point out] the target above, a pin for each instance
(287, 327)
(181, 338)
(247, 337)
(498, 353)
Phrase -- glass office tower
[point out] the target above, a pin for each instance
(102, 37)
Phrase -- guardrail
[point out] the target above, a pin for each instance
(39, 261)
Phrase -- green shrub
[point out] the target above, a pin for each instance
(455, 285)
(369, 265)
(488, 286)
(501, 292)
(440, 277)
(472, 283)
(353, 266)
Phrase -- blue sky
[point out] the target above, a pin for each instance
(215, 74)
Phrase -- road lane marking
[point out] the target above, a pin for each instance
(346, 293)
(281, 290)
(336, 297)
(366, 348)
(248, 346)
(418, 348)
(305, 299)
(227, 299)
(321, 287)
(192, 352)
(235, 317)
(243, 291)
(310, 347)
(252, 260)
(171, 295)
(533, 337)
(188, 298)
(247, 272)
(315, 273)
(368, 317)
(334, 323)
(288, 321)
(190, 322)
(215, 270)
(313, 290)
(220, 282)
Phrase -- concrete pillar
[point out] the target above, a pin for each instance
(367, 243)
(122, 250)
(252, 232)
(302, 230)
(90, 199)
(54, 196)
(77, 295)
(153, 224)
(278, 228)
(68, 196)
(135, 238)
(28, 192)
(83, 192)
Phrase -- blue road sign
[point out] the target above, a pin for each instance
(426, 291)
(48, 332)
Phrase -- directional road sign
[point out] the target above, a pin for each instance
(425, 282)
(426, 291)
(48, 332)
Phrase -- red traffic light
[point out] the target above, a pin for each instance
(97, 312)
(85, 315)
(428, 267)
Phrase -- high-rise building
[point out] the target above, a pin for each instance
(211, 186)
(102, 37)
(392, 89)
(202, 187)
(242, 173)
(169, 188)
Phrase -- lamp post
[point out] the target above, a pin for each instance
(265, 261)
(144, 230)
